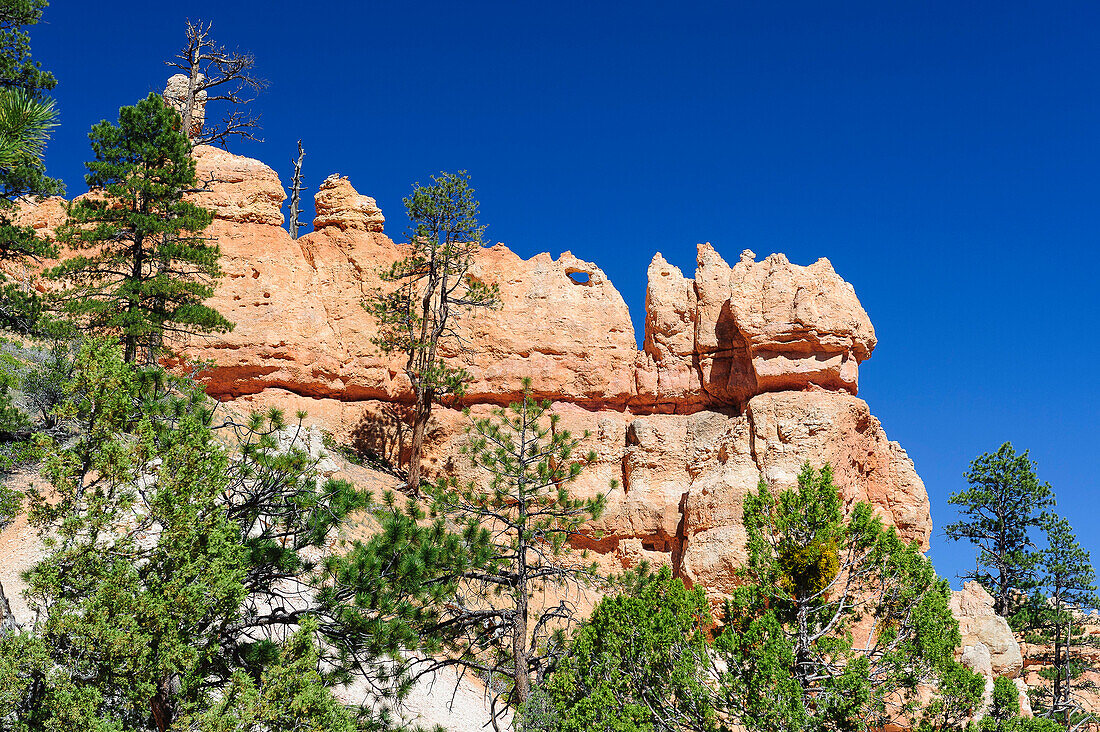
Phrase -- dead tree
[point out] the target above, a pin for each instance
(214, 74)
(296, 193)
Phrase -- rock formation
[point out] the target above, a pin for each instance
(338, 204)
(988, 645)
(987, 641)
(175, 96)
(745, 371)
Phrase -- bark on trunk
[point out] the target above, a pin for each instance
(519, 650)
(7, 620)
(420, 427)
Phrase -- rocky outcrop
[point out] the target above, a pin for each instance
(733, 332)
(712, 342)
(988, 645)
(238, 189)
(338, 204)
(175, 96)
(745, 371)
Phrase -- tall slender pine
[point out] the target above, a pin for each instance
(1004, 502)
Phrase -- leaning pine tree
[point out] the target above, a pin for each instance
(144, 267)
(431, 288)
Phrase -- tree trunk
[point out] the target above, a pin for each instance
(132, 304)
(519, 627)
(296, 193)
(420, 427)
(519, 648)
(1065, 664)
(7, 620)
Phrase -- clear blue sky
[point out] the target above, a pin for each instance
(943, 155)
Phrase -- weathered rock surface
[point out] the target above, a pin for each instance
(745, 371)
(986, 637)
(733, 332)
(238, 189)
(175, 96)
(338, 204)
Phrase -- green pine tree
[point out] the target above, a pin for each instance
(431, 289)
(1004, 502)
(26, 116)
(793, 654)
(188, 585)
(145, 269)
(517, 526)
(1051, 617)
(640, 663)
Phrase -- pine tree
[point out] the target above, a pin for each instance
(517, 528)
(432, 287)
(148, 269)
(26, 115)
(641, 662)
(792, 653)
(1066, 588)
(1004, 503)
(192, 586)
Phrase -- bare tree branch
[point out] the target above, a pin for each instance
(211, 73)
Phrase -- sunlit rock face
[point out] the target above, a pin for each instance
(745, 371)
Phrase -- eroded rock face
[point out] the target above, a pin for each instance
(238, 189)
(745, 371)
(338, 204)
(175, 96)
(734, 332)
(986, 637)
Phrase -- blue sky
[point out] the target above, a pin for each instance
(943, 155)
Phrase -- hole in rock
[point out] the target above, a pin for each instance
(579, 278)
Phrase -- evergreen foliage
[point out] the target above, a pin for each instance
(145, 268)
(517, 528)
(1004, 712)
(1052, 617)
(430, 289)
(187, 582)
(838, 620)
(26, 116)
(1004, 502)
(837, 626)
(640, 663)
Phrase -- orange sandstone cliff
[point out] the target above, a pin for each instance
(745, 371)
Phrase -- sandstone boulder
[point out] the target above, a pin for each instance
(982, 628)
(338, 204)
(238, 189)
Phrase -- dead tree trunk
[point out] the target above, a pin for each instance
(211, 74)
(296, 193)
(7, 620)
